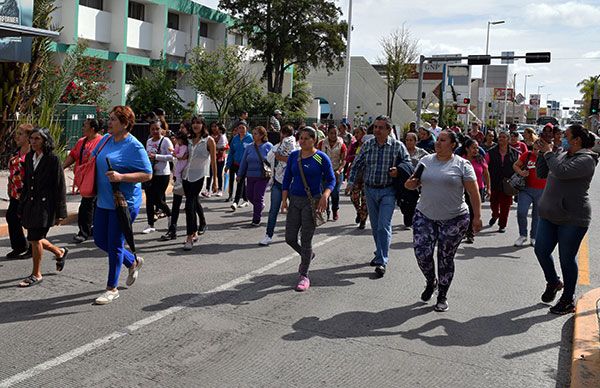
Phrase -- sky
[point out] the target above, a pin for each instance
(569, 30)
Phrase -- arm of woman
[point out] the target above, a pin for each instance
(164, 154)
(518, 168)
(572, 168)
(61, 199)
(487, 180)
(473, 191)
(212, 149)
(69, 160)
(241, 174)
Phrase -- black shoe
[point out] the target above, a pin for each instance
(362, 225)
(357, 220)
(501, 230)
(27, 255)
(551, 290)
(14, 254)
(442, 304)
(170, 235)
(202, 230)
(78, 239)
(373, 262)
(429, 289)
(563, 307)
(492, 221)
(380, 270)
(228, 199)
(60, 261)
(469, 240)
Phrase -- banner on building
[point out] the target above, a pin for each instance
(499, 94)
(534, 99)
(20, 12)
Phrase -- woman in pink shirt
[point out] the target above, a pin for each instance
(471, 153)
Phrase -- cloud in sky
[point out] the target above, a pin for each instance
(570, 30)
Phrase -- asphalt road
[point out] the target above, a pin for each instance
(225, 314)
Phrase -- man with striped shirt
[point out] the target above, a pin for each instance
(377, 161)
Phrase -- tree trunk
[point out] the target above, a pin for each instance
(391, 108)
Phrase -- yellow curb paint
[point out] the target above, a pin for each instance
(584, 262)
(585, 361)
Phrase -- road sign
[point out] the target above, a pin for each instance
(499, 94)
(461, 109)
(519, 99)
(457, 61)
(578, 102)
(433, 67)
(534, 99)
(508, 57)
(496, 76)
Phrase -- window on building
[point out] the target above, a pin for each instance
(136, 10)
(203, 30)
(173, 21)
(132, 72)
(239, 39)
(97, 4)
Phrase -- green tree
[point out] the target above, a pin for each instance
(223, 76)
(90, 84)
(587, 87)
(300, 33)
(156, 89)
(400, 51)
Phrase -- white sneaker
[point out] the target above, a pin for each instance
(234, 206)
(532, 242)
(134, 271)
(521, 241)
(205, 194)
(107, 297)
(219, 193)
(244, 204)
(188, 245)
(149, 229)
(265, 241)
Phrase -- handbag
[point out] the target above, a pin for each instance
(85, 179)
(266, 170)
(146, 185)
(319, 217)
(511, 186)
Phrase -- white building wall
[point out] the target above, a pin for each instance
(94, 24)
(119, 30)
(139, 34)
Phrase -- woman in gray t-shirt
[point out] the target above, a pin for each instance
(442, 216)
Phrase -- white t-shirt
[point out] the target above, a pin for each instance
(442, 189)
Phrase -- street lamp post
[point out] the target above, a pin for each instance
(537, 111)
(346, 100)
(525, 93)
(487, 49)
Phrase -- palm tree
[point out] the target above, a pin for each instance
(587, 87)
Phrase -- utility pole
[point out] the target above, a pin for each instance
(346, 101)
(487, 49)
(514, 96)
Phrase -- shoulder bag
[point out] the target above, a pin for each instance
(319, 217)
(85, 179)
(266, 170)
(511, 186)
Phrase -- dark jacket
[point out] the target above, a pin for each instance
(565, 200)
(428, 144)
(501, 169)
(43, 199)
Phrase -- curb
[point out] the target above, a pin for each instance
(72, 216)
(585, 362)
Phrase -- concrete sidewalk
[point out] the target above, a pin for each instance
(585, 364)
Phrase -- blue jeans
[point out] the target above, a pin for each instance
(568, 238)
(381, 204)
(276, 192)
(109, 237)
(527, 197)
(334, 198)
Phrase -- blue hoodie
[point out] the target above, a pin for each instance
(237, 147)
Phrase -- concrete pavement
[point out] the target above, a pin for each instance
(225, 315)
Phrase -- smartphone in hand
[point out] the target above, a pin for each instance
(419, 171)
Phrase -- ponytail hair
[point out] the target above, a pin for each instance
(588, 140)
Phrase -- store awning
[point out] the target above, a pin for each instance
(8, 30)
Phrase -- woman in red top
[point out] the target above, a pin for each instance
(516, 143)
(532, 193)
(78, 156)
(16, 167)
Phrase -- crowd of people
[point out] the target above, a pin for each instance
(438, 177)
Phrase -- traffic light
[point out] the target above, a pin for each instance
(467, 101)
(479, 59)
(537, 57)
(594, 106)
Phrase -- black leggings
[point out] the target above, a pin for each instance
(193, 206)
(155, 196)
(220, 167)
(240, 191)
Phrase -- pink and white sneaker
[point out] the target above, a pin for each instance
(303, 284)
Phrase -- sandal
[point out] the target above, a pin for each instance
(60, 261)
(30, 281)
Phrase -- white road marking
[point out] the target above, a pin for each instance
(63, 358)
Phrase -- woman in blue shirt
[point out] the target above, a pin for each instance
(236, 151)
(251, 170)
(300, 218)
(131, 166)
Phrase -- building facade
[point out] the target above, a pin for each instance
(132, 34)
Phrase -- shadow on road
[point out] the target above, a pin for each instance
(469, 252)
(31, 310)
(262, 286)
(474, 332)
